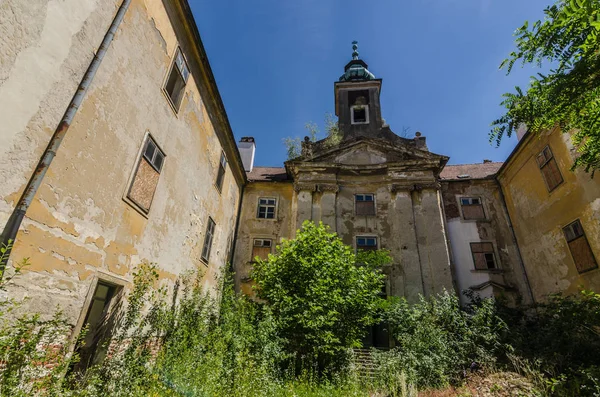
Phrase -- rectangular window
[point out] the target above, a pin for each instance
(221, 172)
(483, 256)
(366, 243)
(472, 208)
(365, 204)
(178, 77)
(580, 248)
(91, 349)
(261, 248)
(146, 175)
(266, 208)
(547, 163)
(208, 239)
(359, 114)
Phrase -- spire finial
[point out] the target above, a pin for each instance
(354, 49)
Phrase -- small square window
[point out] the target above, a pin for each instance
(472, 208)
(483, 256)
(365, 204)
(261, 248)
(579, 246)
(359, 114)
(145, 180)
(221, 171)
(366, 243)
(178, 76)
(208, 239)
(266, 208)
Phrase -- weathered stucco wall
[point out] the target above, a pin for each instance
(251, 227)
(79, 227)
(509, 280)
(538, 216)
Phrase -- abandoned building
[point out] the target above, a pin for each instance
(149, 171)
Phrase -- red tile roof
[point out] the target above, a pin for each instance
(470, 171)
(267, 174)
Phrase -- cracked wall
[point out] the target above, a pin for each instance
(79, 227)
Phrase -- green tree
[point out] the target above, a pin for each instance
(320, 296)
(568, 96)
(333, 137)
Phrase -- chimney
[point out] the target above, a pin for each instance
(485, 161)
(521, 131)
(247, 147)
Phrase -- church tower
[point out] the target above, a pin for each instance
(357, 99)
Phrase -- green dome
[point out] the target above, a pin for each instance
(356, 69)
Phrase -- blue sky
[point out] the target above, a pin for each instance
(275, 62)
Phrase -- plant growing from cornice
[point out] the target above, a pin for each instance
(321, 298)
(568, 96)
(294, 145)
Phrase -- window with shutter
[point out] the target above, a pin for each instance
(208, 239)
(365, 204)
(549, 168)
(483, 256)
(472, 208)
(579, 246)
(261, 248)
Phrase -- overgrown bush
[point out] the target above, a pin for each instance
(437, 341)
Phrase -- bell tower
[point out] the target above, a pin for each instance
(357, 99)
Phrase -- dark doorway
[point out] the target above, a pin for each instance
(91, 348)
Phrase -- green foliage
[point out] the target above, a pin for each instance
(436, 340)
(568, 96)
(333, 137)
(321, 299)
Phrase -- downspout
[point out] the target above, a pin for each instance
(514, 236)
(16, 218)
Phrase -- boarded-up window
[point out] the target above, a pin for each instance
(261, 248)
(366, 243)
(146, 176)
(178, 76)
(472, 208)
(579, 247)
(266, 208)
(549, 168)
(365, 204)
(483, 256)
(208, 239)
(221, 172)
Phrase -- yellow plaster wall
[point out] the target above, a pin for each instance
(79, 226)
(538, 216)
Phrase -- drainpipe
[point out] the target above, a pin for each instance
(14, 221)
(514, 236)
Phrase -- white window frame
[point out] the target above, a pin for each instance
(268, 206)
(365, 107)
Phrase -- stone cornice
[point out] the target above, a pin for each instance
(328, 187)
(307, 187)
(398, 187)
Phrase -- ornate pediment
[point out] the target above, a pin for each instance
(368, 152)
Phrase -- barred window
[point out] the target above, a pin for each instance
(472, 208)
(365, 204)
(579, 246)
(483, 256)
(547, 163)
(266, 208)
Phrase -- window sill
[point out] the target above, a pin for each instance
(136, 207)
(483, 220)
(267, 219)
(589, 271)
(493, 271)
(204, 262)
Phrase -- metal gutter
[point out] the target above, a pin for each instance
(11, 228)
